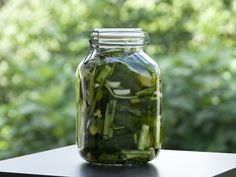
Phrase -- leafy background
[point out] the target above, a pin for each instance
(42, 42)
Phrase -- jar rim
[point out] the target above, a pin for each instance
(117, 33)
(122, 37)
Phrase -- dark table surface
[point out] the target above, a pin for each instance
(67, 162)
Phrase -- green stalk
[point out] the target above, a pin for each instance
(136, 152)
(98, 97)
(143, 137)
(135, 138)
(113, 107)
(118, 127)
(77, 89)
(109, 118)
(139, 100)
(91, 86)
(103, 75)
(106, 122)
(157, 131)
(112, 116)
(145, 91)
(129, 154)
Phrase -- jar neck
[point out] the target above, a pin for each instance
(110, 44)
(126, 49)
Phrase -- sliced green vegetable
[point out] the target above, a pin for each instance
(129, 154)
(104, 74)
(143, 137)
(136, 152)
(118, 127)
(157, 131)
(146, 91)
(88, 123)
(135, 138)
(109, 118)
(139, 100)
(91, 86)
(106, 125)
(113, 109)
(98, 96)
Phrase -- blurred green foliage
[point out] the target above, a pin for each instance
(41, 43)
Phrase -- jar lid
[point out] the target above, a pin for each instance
(118, 37)
(117, 33)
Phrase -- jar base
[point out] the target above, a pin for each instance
(108, 159)
(117, 164)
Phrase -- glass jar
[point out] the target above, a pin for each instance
(118, 99)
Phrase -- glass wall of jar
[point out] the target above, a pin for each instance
(118, 93)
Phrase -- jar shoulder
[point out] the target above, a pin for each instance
(148, 61)
(137, 59)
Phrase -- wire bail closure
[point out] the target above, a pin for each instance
(147, 39)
